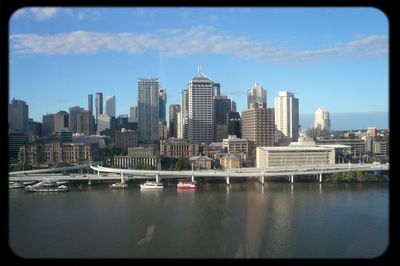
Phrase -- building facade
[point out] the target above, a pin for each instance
(222, 108)
(110, 105)
(126, 139)
(90, 103)
(233, 144)
(258, 127)
(85, 123)
(256, 97)
(179, 148)
(201, 109)
(73, 114)
(162, 105)
(287, 115)
(99, 104)
(148, 110)
(47, 124)
(235, 124)
(294, 156)
(174, 109)
(61, 121)
(18, 115)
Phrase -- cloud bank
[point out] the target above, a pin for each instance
(186, 42)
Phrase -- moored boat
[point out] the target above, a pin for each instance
(61, 188)
(15, 185)
(119, 185)
(186, 185)
(152, 185)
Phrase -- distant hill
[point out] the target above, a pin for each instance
(344, 121)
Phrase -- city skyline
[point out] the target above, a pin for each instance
(64, 54)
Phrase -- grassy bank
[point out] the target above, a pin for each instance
(354, 176)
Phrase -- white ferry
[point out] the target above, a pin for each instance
(151, 185)
(186, 185)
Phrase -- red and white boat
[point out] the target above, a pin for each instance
(186, 185)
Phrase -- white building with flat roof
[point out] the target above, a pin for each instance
(294, 156)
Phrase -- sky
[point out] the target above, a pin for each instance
(333, 58)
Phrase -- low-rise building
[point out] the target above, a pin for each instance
(230, 161)
(201, 162)
(125, 139)
(137, 156)
(357, 146)
(179, 148)
(233, 144)
(293, 156)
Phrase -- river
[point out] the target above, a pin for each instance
(246, 220)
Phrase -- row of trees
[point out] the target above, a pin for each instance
(353, 176)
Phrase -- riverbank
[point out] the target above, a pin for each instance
(355, 176)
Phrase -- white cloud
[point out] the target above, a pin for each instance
(44, 13)
(196, 40)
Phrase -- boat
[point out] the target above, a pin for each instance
(61, 188)
(26, 183)
(152, 185)
(186, 185)
(62, 182)
(15, 185)
(119, 185)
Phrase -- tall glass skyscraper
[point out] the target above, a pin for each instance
(148, 110)
(110, 105)
(162, 105)
(99, 104)
(90, 103)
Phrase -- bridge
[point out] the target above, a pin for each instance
(109, 174)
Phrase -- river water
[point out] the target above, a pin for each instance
(246, 220)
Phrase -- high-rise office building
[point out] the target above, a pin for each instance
(222, 107)
(256, 96)
(216, 89)
(322, 122)
(73, 113)
(233, 106)
(201, 109)
(174, 109)
(85, 123)
(18, 115)
(235, 124)
(35, 128)
(61, 120)
(183, 116)
(133, 115)
(110, 105)
(287, 115)
(162, 94)
(99, 104)
(148, 110)
(90, 103)
(47, 124)
(258, 127)
(103, 123)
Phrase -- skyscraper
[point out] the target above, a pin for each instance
(162, 105)
(256, 96)
(99, 104)
(47, 124)
(201, 109)
(73, 113)
(183, 116)
(321, 122)
(90, 103)
(222, 107)
(235, 124)
(233, 106)
(85, 123)
(18, 115)
(174, 109)
(287, 115)
(258, 127)
(61, 120)
(148, 110)
(133, 115)
(110, 105)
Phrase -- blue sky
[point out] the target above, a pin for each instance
(333, 58)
